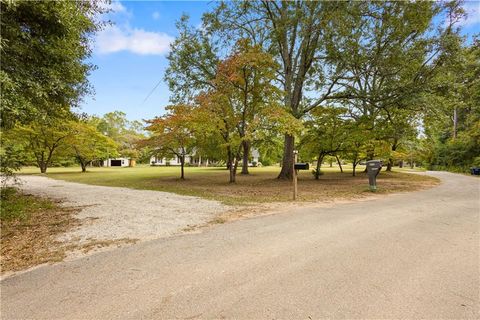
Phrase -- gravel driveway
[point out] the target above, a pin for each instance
(111, 213)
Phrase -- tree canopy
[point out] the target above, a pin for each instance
(44, 47)
(376, 59)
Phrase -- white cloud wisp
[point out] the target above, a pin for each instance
(114, 39)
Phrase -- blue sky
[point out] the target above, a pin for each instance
(130, 55)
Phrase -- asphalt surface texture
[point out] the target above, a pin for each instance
(411, 255)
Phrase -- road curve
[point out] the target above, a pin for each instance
(404, 256)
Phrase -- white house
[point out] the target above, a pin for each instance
(175, 161)
(117, 162)
(196, 161)
(255, 157)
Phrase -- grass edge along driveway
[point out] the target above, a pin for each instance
(260, 186)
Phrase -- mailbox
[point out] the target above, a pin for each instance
(373, 169)
(302, 166)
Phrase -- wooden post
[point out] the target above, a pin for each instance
(294, 175)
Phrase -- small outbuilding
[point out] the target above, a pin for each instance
(118, 162)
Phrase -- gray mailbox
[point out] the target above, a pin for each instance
(373, 168)
(301, 166)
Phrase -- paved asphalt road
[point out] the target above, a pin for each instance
(404, 256)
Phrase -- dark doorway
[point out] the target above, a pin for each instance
(116, 163)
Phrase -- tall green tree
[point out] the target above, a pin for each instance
(44, 70)
(390, 53)
(193, 61)
(173, 134)
(44, 47)
(297, 33)
(243, 102)
(246, 79)
(326, 134)
(88, 144)
(452, 125)
(45, 140)
(124, 132)
(355, 145)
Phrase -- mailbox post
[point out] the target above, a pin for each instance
(296, 167)
(295, 156)
(373, 169)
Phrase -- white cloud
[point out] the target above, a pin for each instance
(114, 39)
(113, 7)
(122, 37)
(116, 6)
(472, 8)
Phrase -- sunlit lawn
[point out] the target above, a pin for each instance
(260, 185)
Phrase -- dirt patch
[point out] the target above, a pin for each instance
(33, 235)
(391, 183)
(263, 187)
(32, 239)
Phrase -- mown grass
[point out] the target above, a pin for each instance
(16, 205)
(260, 186)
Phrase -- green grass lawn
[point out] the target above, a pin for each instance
(259, 186)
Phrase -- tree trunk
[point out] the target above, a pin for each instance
(354, 164)
(339, 163)
(229, 159)
(232, 175)
(229, 162)
(390, 159)
(182, 165)
(233, 171)
(229, 165)
(83, 164)
(42, 165)
(246, 153)
(287, 161)
(389, 164)
(319, 166)
(49, 159)
(235, 167)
